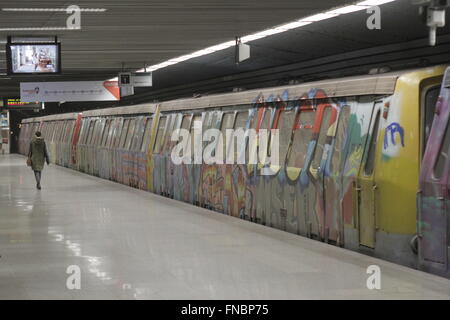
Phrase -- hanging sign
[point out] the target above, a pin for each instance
(69, 91)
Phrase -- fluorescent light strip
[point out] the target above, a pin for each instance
(363, 5)
(38, 29)
(52, 9)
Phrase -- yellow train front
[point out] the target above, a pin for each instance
(350, 153)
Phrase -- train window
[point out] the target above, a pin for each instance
(322, 137)
(341, 132)
(285, 126)
(69, 131)
(55, 136)
(253, 124)
(65, 130)
(370, 162)
(112, 133)
(124, 132)
(227, 123)
(94, 132)
(240, 122)
(168, 132)
(130, 134)
(98, 132)
(185, 123)
(443, 154)
(51, 128)
(429, 106)
(112, 123)
(302, 136)
(48, 131)
(147, 134)
(59, 125)
(55, 131)
(265, 124)
(105, 133)
(196, 124)
(43, 129)
(159, 134)
(91, 132)
(52, 131)
(102, 132)
(81, 133)
(138, 134)
(117, 133)
(84, 130)
(62, 131)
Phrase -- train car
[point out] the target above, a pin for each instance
(434, 193)
(336, 160)
(60, 133)
(114, 143)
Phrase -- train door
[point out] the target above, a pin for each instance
(261, 155)
(180, 181)
(333, 172)
(434, 193)
(279, 186)
(164, 163)
(74, 142)
(156, 155)
(126, 159)
(314, 193)
(170, 166)
(367, 184)
(206, 175)
(224, 184)
(142, 155)
(296, 159)
(195, 138)
(116, 144)
(236, 175)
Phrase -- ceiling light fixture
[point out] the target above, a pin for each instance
(363, 5)
(36, 29)
(51, 9)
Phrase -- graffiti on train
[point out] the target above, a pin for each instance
(390, 133)
(343, 172)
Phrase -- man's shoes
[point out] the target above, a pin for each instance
(38, 186)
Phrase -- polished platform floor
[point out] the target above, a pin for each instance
(131, 244)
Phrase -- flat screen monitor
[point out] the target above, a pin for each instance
(33, 58)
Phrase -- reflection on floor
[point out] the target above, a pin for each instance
(131, 244)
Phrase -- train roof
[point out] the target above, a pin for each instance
(54, 117)
(343, 87)
(378, 84)
(126, 110)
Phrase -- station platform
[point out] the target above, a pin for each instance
(131, 244)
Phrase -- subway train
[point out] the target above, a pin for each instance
(363, 160)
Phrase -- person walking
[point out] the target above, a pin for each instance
(38, 153)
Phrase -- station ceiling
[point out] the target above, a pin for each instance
(132, 33)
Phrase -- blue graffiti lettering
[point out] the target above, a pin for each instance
(391, 130)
